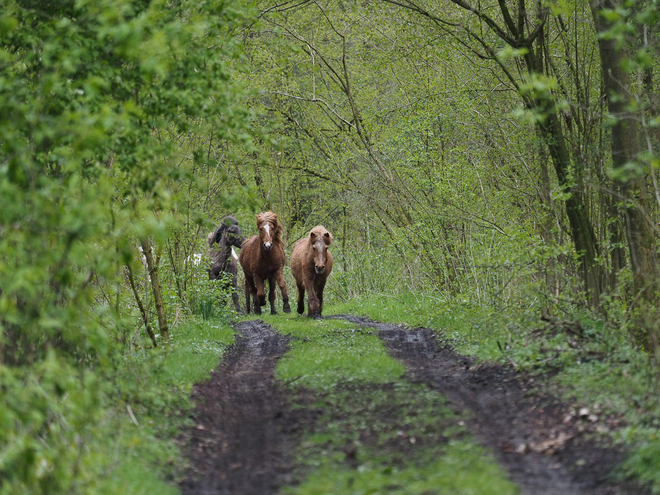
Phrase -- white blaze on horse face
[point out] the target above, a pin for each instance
(233, 254)
(267, 244)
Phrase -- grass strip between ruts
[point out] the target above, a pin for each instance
(375, 432)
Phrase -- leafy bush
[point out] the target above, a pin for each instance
(94, 99)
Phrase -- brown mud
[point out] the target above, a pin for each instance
(243, 428)
(246, 433)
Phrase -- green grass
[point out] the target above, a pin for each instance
(474, 330)
(156, 386)
(462, 470)
(325, 353)
(402, 437)
(197, 348)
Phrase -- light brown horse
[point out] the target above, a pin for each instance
(262, 258)
(311, 263)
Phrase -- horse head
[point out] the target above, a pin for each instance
(234, 236)
(225, 224)
(269, 229)
(320, 239)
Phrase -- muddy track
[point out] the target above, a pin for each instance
(245, 433)
(243, 429)
(526, 432)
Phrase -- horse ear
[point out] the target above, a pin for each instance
(327, 238)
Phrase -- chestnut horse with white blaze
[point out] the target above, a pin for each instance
(311, 263)
(262, 258)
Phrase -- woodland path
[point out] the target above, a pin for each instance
(245, 431)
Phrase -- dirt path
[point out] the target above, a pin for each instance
(543, 453)
(245, 432)
(241, 440)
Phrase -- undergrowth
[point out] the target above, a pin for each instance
(107, 430)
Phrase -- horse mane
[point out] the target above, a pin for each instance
(271, 217)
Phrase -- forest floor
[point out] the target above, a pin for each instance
(249, 427)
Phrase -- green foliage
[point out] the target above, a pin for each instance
(643, 463)
(68, 431)
(89, 92)
(101, 105)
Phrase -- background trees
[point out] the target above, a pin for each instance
(481, 140)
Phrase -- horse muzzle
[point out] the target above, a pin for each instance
(319, 269)
(268, 246)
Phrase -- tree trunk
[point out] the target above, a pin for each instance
(143, 310)
(582, 233)
(152, 267)
(625, 149)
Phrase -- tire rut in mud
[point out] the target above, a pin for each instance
(525, 431)
(243, 429)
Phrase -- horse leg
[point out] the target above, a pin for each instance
(319, 293)
(272, 294)
(285, 294)
(251, 292)
(301, 298)
(261, 290)
(247, 296)
(234, 293)
(312, 300)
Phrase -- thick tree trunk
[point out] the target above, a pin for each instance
(152, 267)
(625, 149)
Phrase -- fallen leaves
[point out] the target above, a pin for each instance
(548, 446)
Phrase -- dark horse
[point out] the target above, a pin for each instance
(223, 257)
(311, 263)
(262, 258)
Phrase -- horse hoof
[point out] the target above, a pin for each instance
(273, 312)
(287, 309)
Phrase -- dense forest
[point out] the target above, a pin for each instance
(497, 157)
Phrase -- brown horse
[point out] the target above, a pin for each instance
(311, 263)
(262, 258)
(223, 258)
